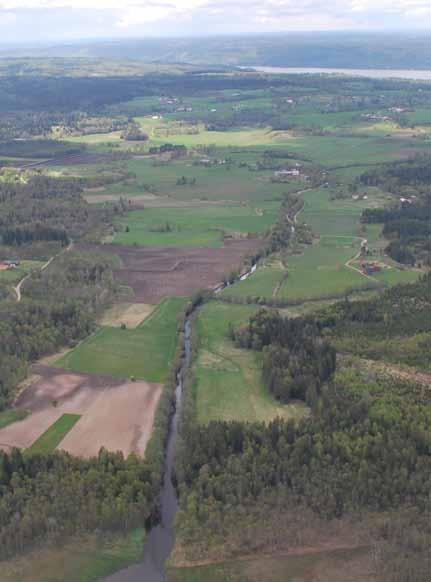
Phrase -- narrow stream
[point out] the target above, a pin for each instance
(160, 539)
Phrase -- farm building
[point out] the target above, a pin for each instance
(370, 268)
(9, 264)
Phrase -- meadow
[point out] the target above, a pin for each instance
(200, 227)
(228, 383)
(218, 182)
(144, 352)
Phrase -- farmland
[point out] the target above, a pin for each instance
(198, 227)
(76, 412)
(168, 185)
(323, 269)
(52, 437)
(157, 272)
(145, 352)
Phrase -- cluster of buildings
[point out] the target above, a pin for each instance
(288, 174)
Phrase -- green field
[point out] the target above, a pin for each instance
(201, 227)
(88, 558)
(145, 352)
(10, 416)
(216, 182)
(228, 384)
(15, 275)
(52, 437)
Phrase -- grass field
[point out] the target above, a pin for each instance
(10, 416)
(200, 227)
(15, 275)
(145, 352)
(335, 566)
(51, 438)
(84, 559)
(216, 182)
(228, 383)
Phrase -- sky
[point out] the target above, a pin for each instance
(55, 20)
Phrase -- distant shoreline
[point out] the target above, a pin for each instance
(409, 74)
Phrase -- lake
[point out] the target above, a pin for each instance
(411, 74)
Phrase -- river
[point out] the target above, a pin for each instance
(410, 74)
(160, 540)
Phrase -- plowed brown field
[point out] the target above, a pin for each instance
(116, 414)
(157, 272)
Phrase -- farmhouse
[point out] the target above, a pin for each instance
(9, 264)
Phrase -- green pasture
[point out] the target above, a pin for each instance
(216, 182)
(52, 437)
(228, 383)
(145, 352)
(15, 275)
(84, 558)
(10, 416)
(201, 227)
(263, 283)
(334, 151)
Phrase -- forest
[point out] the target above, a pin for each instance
(50, 497)
(366, 447)
(296, 359)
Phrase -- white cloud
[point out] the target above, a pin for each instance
(259, 15)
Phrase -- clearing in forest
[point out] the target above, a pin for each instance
(228, 382)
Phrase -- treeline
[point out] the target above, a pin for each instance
(59, 308)
(401, 177)
(39, 148)
(37, 232)
(296, 359)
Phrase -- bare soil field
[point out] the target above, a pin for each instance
(116, 414)
(157, 272)
(129, 314)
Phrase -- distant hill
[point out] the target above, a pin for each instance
(322, 49)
